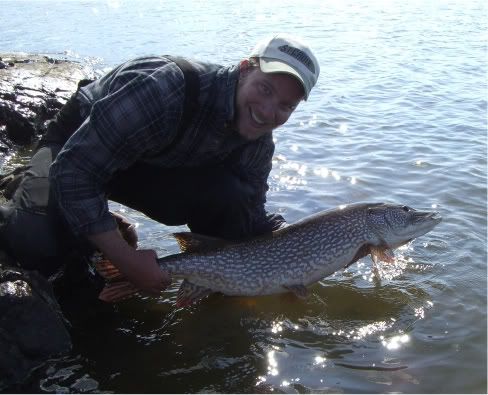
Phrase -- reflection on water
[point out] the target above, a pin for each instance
(395, 342)
(293, 175)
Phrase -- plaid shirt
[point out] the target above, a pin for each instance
(132, 113)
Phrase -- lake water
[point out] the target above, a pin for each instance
(399, 115)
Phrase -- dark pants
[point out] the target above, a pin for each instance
(210, 200)
(31, 229)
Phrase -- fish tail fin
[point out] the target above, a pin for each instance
(117, 288)
(115, 292)
(107, 269)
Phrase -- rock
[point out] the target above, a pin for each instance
(10, 181)
(32, 327)
(32, 89)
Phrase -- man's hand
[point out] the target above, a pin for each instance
(138, 266)
(147, 275)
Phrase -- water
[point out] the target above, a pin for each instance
(399, 115)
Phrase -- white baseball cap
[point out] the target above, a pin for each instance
(283, 53)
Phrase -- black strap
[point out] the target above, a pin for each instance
(68, 120)
(192, 93)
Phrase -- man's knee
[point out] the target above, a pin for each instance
(30, 239)
(223, 208)
(227, 192)
(210, 200)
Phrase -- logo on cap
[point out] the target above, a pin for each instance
(299, 55)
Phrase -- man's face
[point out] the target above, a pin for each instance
(264, 101)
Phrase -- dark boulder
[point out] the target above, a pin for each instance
(32, 327)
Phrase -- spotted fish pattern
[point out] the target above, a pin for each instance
(296, 256)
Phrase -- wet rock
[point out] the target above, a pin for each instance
(32, 89)
(10, 181)
(32, 327)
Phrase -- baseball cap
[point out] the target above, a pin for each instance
(283, 53)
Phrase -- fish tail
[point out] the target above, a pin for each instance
(115, 292)
(117, 287)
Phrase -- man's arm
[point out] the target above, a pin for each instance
(121, 128)
(254, 164)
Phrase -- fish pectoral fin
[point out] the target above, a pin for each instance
(190, 293)
(382, 254)
(118, 291)
(195, 242)
(299, 290)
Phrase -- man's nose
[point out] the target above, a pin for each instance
(268, 112)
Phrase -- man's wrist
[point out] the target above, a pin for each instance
(114, 248)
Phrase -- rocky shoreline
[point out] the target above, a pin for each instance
(33, 329)
(32, 89)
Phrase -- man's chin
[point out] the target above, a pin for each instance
(251, 133)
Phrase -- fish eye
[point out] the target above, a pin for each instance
(406, 209)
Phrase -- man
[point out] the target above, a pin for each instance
(184, 142)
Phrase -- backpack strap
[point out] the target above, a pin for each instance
(192, 93)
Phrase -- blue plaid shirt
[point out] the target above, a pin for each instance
(132, 113)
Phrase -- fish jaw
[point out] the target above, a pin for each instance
(393, 225)
(422, 222)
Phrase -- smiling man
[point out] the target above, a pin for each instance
(184, 142)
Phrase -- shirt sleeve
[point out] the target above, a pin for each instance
(138, 117)
(254, 165)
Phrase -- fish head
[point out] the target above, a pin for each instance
(394, 225)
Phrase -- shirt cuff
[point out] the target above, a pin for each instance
(105, 224)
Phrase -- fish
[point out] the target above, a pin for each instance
(286, 260)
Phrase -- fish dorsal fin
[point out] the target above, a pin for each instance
(195, 242)
(382, 254)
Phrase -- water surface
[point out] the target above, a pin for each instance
(398, 115)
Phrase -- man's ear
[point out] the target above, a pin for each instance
(244, 66)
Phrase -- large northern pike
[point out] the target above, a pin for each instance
(293, 257)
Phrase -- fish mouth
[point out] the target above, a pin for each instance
(419, 223)
(435, 216)
(427, 216)
(424, 221)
